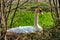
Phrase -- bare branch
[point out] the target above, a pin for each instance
(3, 22)
(7, 15)
(59, 3)
(14, 14)
(52, 11)
(56, 9)
(19, 5)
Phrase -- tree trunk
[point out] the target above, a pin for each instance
(3, 22)
(59, 3)
(0, 18)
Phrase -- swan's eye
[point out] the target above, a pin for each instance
(40, 10)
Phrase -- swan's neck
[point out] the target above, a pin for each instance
(36, 21)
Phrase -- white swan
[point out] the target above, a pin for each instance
(29, 29)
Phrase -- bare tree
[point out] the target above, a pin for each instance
(14, 13)
(3, 22)
(4, 14)
(55, 13)
(51, 10)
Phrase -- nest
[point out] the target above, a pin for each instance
(28, 36)
(53, 34)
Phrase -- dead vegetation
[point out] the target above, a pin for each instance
(51, 34)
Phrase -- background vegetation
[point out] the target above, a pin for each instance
(25, 17)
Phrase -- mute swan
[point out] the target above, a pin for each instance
(29, 29)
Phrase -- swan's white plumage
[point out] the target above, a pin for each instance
(22, 29)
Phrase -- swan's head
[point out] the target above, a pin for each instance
(39, 10)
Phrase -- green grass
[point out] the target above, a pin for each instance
(46, 20)
(26, 18)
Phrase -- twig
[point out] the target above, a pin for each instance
(19, 5)
(7, 15)
(52, 11)
(14, 14)
(56, 10)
